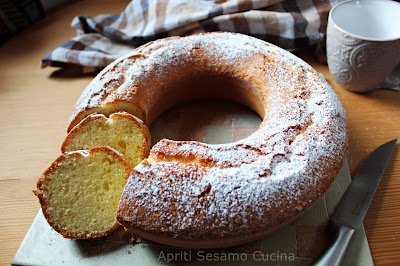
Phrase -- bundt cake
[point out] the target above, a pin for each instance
(80, 191)
(197, 195)
(120, 131)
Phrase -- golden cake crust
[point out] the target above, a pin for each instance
(198, 195)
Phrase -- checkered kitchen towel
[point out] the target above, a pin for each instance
(290, 24)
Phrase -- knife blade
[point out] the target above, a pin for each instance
(353, 206)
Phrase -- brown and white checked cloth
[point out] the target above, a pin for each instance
(290, 24)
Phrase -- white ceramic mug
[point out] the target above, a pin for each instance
(363, 42)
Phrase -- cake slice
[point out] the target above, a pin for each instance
(121, 131)
(80, 191)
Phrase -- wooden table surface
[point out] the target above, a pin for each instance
(35, 105)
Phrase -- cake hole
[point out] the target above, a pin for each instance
(107, 161)
(206, 105)
(207, 121)
(122, 146)
(106, 186)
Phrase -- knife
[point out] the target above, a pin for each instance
(351, 210)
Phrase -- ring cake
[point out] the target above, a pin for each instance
(197, 195)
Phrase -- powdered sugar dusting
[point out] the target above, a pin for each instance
(156, 59)
(192, 190)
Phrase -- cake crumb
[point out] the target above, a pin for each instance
(133, 239)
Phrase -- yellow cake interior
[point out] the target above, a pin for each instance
(118, 132)
(82, 193)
